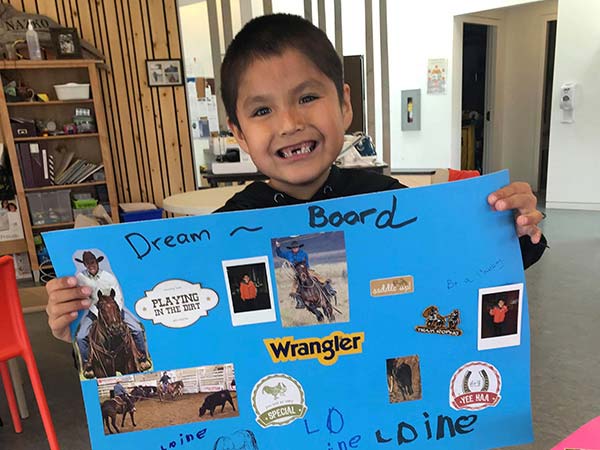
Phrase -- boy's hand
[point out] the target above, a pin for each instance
(519, 197)
(65, 299)
(277, 244)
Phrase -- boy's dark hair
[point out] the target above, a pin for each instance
(271, 35)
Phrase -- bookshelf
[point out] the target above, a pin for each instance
(93, 147)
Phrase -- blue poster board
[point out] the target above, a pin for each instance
(375, 321)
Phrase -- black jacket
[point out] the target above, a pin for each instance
(344, 183)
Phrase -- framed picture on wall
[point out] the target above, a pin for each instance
(164, 72)
(66, 43)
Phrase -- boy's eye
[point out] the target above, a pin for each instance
(261, 112)
(308, 98)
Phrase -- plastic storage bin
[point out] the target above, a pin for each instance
(72, 91)
(84, 203)
(50, 207)
(136, 216)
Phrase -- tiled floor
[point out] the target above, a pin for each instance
(564, 296)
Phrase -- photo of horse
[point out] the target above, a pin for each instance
(404, 378)
(312, 278)
(173, 397)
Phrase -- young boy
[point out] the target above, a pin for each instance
(288, 107)
(248, 289)
(498, 313)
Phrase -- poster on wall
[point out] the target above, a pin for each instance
(11, 227)
(437, 74)
(376, 321)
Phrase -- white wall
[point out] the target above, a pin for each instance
(574, 164)
(419, 31)
(196, 40)
(520, 89)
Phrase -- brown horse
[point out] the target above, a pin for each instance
(173, 390)
(112, 348)
(110, 409)
(433, 319)
(313, 293)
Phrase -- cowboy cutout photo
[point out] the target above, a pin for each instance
(109, 338)
(312, 278)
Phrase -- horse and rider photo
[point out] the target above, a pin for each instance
(403, 378)
(312, 278)
(146, 401)
(109, 339)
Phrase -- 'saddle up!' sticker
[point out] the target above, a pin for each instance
(475, 386)
(278, 400)
(176, 303)
(392, 286)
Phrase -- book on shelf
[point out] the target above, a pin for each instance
(77, 172)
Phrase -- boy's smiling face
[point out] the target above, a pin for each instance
(291, 121)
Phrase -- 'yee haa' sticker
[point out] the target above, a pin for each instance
(278, 400)
(475, 386)
(176, 303)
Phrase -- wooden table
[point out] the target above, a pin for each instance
(202, 201)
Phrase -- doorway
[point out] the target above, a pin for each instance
(546, 106)
(473, 107)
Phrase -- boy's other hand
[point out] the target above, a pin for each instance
(277, 244)
(65, 299)
(519, 197)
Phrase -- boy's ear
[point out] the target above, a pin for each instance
(347, 107)
(239, 136)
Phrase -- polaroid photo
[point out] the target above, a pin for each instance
(249, 290)
(500, 312)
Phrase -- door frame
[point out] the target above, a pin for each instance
(542, 25)
(492, 157)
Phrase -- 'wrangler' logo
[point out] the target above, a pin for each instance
(326, 350)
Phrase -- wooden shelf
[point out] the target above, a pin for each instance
(10, 247)
(47, 63)
(65, 186)
(50, 103)
(50, 226)
(55, 138)
(41, 76)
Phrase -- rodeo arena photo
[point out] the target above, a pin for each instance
(165, 398)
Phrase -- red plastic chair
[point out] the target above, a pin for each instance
(14, 341)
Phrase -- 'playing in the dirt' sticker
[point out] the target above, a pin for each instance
(176, 303)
